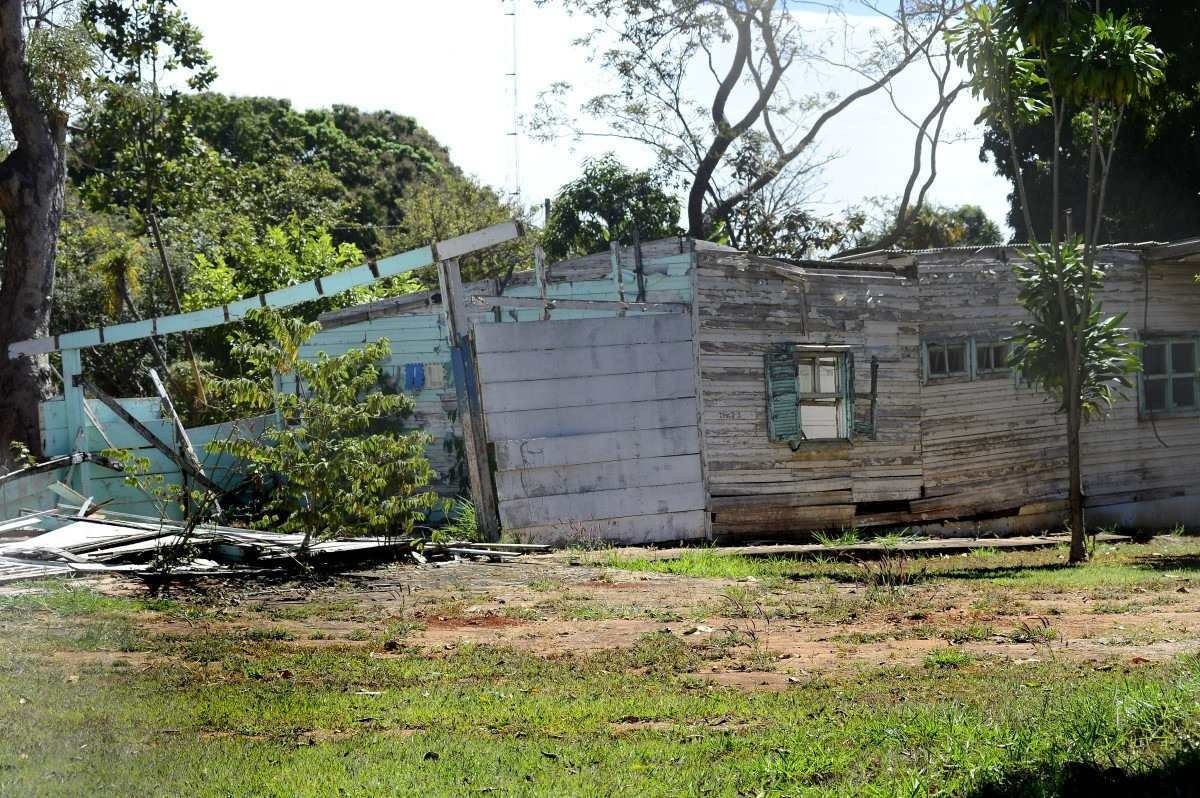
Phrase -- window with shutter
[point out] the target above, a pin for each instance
(809, 394)
(783, 398)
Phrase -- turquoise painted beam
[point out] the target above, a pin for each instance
(284, 297)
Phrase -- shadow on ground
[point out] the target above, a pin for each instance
(1175, 777)
(1179, 562)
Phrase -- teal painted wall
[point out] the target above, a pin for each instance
(415, 338)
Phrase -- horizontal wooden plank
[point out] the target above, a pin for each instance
(591, 477)
(596, 448)
(616, 417)
(560, 363)
(570, 334)
(581, 391)
(633, 530)
(600, 505)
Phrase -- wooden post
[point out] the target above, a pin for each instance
(72, 370)
(638, 268)
(148, 436)
(617, 277)
(184, 442)
(470, 407)
(539, 272)
(698, 367)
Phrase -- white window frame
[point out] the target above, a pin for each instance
(840, 396)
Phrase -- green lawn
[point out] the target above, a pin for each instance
(93, 701)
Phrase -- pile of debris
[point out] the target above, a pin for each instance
(70, 540)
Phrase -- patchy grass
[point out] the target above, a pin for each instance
(1113, 572)
(263, 717)
(947, 658)
(124, 696)
(707, 563)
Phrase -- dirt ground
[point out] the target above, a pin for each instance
(1136, 604)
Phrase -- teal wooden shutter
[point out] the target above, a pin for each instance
(783, 394)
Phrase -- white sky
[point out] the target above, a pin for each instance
(445, 64)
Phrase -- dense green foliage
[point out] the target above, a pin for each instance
(339, 465)
(608, 202)
(1107, 358)
(1154, 186)
(936, 226)
(447, 205)
(264, 160)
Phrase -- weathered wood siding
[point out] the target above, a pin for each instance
(1128, 459)
(988, 444)
(420, 337)
(594, 428)
(948, 448)
(744, 306)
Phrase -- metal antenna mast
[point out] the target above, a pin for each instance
(515, 133)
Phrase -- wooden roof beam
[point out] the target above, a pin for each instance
(328, 285)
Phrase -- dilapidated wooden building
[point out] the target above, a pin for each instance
(783, 397)
(683, 390)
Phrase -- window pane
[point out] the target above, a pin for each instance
(1154, 358)
(827, 373)
(1183, 358)
(983, 357)
(1156, 394)
(1000, 356)
(956, 358)
(820, 420)
(937, 361)
(1183, 391)
(805, 372)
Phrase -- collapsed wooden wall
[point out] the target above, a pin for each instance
(416, 327)
(110, 487)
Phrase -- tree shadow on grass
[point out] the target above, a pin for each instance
(1174, 562)
(1176, 776)
(917, 572)
(1002, 571)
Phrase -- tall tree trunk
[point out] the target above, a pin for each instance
(31, 200)
(25, 297)
(1078, 551)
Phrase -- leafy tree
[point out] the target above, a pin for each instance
(1029, 61)
(607, 203)
(248, 263)
(1154, 187)
(696, 81)
(338, 465)
(936, 226)
(102, 269)
(44, 62)
(260, 158)
(142, 44)
(447, 205)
